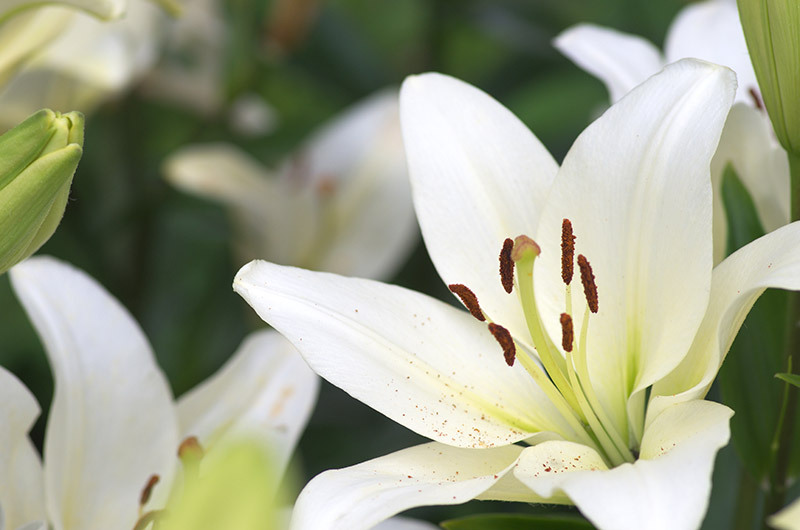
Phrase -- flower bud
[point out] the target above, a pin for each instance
(771, 28)
(38, 158)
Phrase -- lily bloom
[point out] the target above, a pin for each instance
(711, 31)
(340, 203)
(114, 430)
(577, 376)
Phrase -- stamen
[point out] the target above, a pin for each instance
(148, 489)
(756, 98)
(567, 334)
(148, 519)
(468, 298)
(589, 286)
(503, 337)
(507, 266)
(567, 251)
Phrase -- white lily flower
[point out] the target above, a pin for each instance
(788, 518)
(113, 423)
(711, 31)
(341, 203)
(617, 425)
(79, 61)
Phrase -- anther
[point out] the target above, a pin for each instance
(756, 98)
(523, 247)
(468, 298)
(148, 489)
(503, 337)
(567, 251)
(507, 265)
(589, 286)
(567, 334)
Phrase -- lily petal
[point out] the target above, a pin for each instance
(21, 490)
(405, 523)
(112, 423)
(649, 157)
(770, 261)
(668, 487)
(104, 9)
(422, 363)
(711, 31)
(265, 389)
(431, 474)
(788, 518)
(620, 60)
(478, 176)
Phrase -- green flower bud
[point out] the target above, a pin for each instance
(38, 158)
(772, 31)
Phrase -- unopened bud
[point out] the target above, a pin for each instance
(37, 161)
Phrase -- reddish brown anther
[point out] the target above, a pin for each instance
(507, 265)
(567, 335)
(506, 341)
(756, 98)
(190, 448)
(148, 489)
(468, 298)
(589, 285)
(567, 251)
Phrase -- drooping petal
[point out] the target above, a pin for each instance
(636, 186)
(264, 390)
(478, 176)
(363, 495)
(359, 162)
(21, 489)
(422, 363)
(668, 487)
(711, 31)
(621, 61)
(112, 423)
(770, 261)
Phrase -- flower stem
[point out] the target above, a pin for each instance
(785, 432)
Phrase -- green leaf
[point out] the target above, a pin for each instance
(747, 379)
(792, 379)
(516, 522)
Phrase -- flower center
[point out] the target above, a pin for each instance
(562, 374)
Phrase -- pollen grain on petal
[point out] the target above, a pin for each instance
(567, 251)
(468, 298)
(589, 285)
(148, 489)
(567, 334)
(507, 265)
(506, 341)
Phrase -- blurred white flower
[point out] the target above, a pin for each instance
(788, 518)
(66, 59)
(341, 203)
(113, 423)
(711, 31)
(610, 402)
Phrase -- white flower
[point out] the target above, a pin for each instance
(341, 203)
(788, 518)
(113, 422)
(625, 436)
(711, 31)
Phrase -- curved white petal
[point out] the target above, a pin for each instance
(621, 61)
(422, 363)
(25, 34)
(405, 523)
(788, 518)
(363, 495)
(265, 389)
(112, 423)
(21, 488)
(636, 187)
(104, 9)
(667, 488)
(770, 261)
(358, 160)
(478, 176)
(711, 31)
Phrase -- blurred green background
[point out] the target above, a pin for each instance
(166, 255)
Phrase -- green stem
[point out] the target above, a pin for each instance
(784, 441)
(746, 502)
